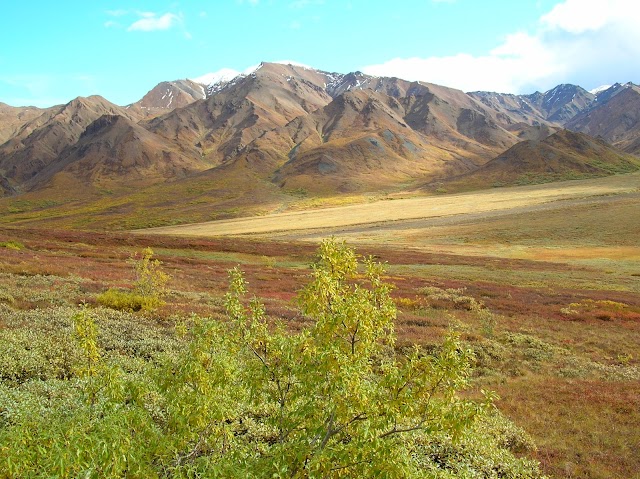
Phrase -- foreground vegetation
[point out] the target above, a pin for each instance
(243, 398)
(564, 361)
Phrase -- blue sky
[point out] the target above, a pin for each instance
(54, 51)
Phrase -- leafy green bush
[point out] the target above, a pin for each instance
(450, 296)
(16, 245)
(26, 354)
(128, 300)
(486, 451)
(151, 281)
(39, 289)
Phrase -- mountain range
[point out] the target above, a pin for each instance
(254, 141)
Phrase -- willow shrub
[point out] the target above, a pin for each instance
(245, 398)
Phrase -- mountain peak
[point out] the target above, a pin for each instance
(104, 122)
(225, 75)
(83, 101)
(303, 126)
(168, 95)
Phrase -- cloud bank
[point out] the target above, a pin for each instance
(589, 42)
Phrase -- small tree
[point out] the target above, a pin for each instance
(341, 401)
(151, 281)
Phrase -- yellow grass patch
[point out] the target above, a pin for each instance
(382, 212)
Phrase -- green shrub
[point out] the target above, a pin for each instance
(27, 354)
(128, 300)
(16, 245)
(450, 297)
(530, 347)
(150, 279)
(486, 451)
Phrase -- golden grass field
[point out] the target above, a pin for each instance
(384, 211)
(568, 221)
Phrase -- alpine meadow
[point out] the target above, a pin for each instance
(419, 259)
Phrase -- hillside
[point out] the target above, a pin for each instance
(12, 119)
(554, 106)
(168, 95)
(114, 153)
(41, 141)
(564, 155)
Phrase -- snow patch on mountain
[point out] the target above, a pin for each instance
(595, 91)
(224, 74)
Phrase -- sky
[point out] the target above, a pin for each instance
(52, 52)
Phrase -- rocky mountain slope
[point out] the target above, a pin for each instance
(615, 117)
(41, 140)
(12, 119)
(554, 106)
(114, 152)
(167, 96)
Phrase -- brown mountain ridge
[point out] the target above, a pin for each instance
(286, 128)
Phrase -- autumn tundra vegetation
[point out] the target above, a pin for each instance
(240, 396)
(143, 355)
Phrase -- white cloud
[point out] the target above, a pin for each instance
(151, 22)
(519, 61)
(578, 16)
(226, 74)
(250, 69)
(588, 42)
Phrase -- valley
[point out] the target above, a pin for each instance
(511, 220)
(394, 214)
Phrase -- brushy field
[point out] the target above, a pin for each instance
(558, 339)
